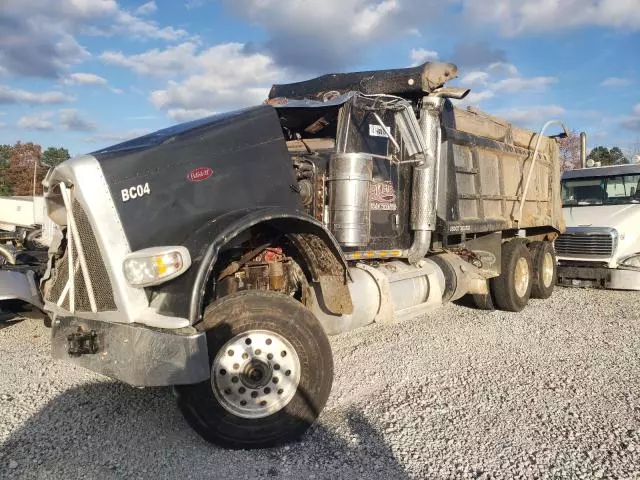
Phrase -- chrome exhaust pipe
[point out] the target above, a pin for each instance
(424, 193)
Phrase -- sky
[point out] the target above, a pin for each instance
(85, 74)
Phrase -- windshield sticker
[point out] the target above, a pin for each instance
(376, 130)
(382, 196)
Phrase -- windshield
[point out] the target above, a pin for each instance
(613, 190)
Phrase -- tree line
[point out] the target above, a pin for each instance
(570, 153)
(19, 163)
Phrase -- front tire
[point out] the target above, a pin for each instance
(271, 372)
(512, 289)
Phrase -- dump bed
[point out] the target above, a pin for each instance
(485, 167)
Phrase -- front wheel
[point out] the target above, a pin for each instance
(271, 372)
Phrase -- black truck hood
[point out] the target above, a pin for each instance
(168, 183)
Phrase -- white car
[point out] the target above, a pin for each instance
(601, 247)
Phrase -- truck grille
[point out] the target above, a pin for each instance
(102, 289)
(585, 245)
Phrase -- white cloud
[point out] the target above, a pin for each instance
(330, 35)
(39, 121)
(10, 95)
(218, 78)
(67, 119)
(146, 8)
(475, 98)
(531, 16)
(519, 84)
(475, 79)
(129, 24)
(172, 61)
(420, 55)
(43, 42)
(500, 78)
(503, 68)
(632, 122)
(532, 116)
(71, 120)
(615, 82)
(372, 17)
(185, 115)
(89, 79)
(85, 79)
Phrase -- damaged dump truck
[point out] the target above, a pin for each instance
(217, 255)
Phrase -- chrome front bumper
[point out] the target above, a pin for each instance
(19, 286)
(599, 277)
(134, 354)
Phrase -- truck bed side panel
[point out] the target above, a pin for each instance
(484, 172)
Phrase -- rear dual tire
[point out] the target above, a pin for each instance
(545, 272)
(271, 372)
(527, 271)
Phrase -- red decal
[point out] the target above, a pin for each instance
(199, 174)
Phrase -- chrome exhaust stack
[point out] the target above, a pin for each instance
(424, 192)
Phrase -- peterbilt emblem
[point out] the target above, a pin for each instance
(199, 174)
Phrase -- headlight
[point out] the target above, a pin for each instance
(155, 265)
(631, 261)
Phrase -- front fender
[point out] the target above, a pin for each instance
(183, 296)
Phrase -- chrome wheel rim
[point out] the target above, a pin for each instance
(547, 269)
(521, 277)
(255, 374)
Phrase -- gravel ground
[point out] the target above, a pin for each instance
(551, 392)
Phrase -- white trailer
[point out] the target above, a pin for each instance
(24, 221)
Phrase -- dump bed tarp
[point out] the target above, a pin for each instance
(405, 82)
